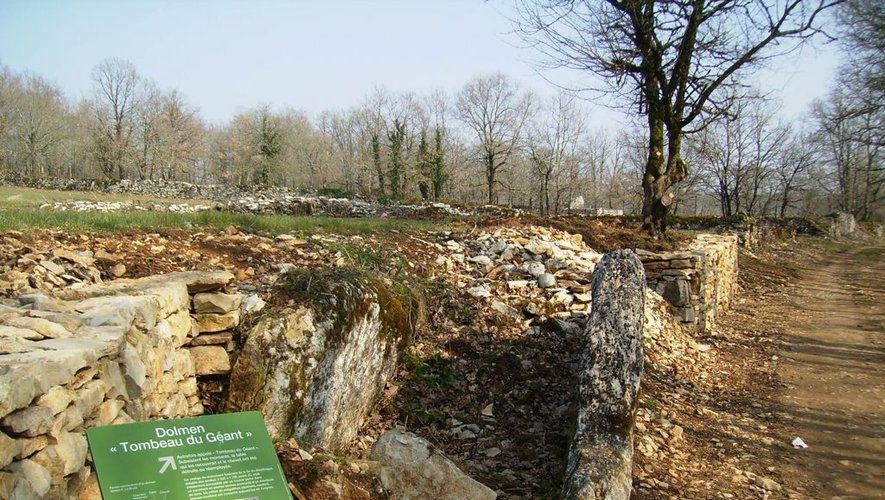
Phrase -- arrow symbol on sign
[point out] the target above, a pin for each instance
(167, 461)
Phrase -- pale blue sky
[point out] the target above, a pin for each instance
(313, 55)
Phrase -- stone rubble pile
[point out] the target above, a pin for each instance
(116, 206)
(24, 269)
(129, 350)
(523, 274)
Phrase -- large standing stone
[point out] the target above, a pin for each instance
(316, 370)
(411, 469)
(601, 454)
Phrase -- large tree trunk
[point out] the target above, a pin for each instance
(660, 173)
(490, 177)
(653, 182)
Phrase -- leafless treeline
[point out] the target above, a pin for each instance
(491, 142)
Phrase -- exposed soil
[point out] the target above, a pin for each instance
(802, 356)
(828, 331)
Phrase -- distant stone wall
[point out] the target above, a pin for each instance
(125, 351)
(258, 201)
(698, 281)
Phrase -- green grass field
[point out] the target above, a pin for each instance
(19, 211)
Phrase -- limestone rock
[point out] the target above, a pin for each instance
(42, 326)
(90, 396)
(65, 457)
(118, 270)
(52, 267)
(252, 304)
(479, 292)
(29, 446)
(218, 303)
(601, 453)
(16, 333)
(537, 247)
(9, 448)
(73, 257)
(505, 310)
(91, 489)
(35, 474)
(546, 280)
(56, 399)
(411, 469)
(14, 345)
(210, 360)
(536, 269)
(70, 322)
(766, 483)
(212, 339)
(7, 484)
(31, 421)
(316, 370)
(211, 323)
(27, 375)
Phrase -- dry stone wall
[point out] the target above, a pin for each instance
(130, 350)
(698, 281)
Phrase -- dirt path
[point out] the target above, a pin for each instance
(831, 350)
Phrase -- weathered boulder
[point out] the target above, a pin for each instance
(601, 454)
(410, 469)
(842, 224)
(315, 370)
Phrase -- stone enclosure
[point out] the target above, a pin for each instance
(134, 350)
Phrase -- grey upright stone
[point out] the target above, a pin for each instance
(601, 454)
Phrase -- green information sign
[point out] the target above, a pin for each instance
(217, 457)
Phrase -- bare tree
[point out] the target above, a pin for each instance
(668, 59)
(495, 110)
(737, 155)
(850, 134)
(792, 170)
(115, 103)
(182, 136)
(863, 29)
(38, 127)
(553, 146)
(147, 137)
